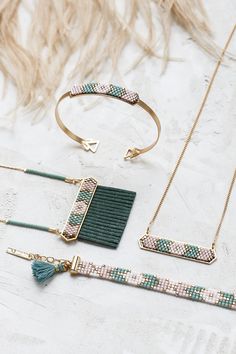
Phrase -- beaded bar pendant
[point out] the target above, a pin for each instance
(178, 249)
(79, 209)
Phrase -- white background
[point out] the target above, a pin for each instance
(80, 315)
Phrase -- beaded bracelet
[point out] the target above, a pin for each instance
(45, 267)
(110, 91)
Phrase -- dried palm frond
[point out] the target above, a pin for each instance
(90, 33)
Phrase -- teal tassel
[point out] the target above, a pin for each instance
(44, 270)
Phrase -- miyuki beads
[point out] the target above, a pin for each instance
(45, 267)
(106, 89)
(79, 209)
(155, 283)
(178, 249)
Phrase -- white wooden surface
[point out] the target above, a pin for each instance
(86, 316)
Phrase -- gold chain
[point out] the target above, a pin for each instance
(13, 168)
(224, 210)
(37, 257)
(189, 137)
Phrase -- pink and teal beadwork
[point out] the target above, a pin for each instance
(150, 281)
(161, 285)
(106, 89)
(119, 274)
(79, 209)
(178, 249)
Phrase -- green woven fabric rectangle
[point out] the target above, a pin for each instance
(107, 216)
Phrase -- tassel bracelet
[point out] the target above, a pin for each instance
(44, 268)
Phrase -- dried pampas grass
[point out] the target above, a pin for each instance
(94, 33)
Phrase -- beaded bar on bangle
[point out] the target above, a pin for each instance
(106, 89)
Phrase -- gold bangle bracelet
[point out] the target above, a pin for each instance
(114, 92)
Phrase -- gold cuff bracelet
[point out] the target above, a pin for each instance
(115, 92)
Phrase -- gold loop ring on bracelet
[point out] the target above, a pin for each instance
(115, 92)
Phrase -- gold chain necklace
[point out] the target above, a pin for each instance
(181, 249)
